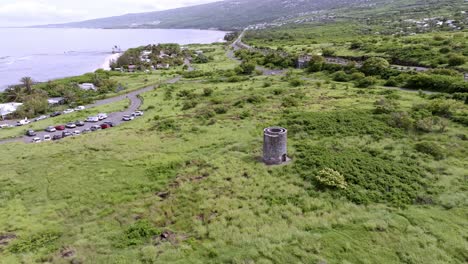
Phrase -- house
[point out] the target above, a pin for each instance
(131, 68)
(87, 86)
(56, 101)
(8, 108)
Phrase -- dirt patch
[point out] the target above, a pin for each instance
(67, 253)
(169, 236)
(5, 239)
(163, 195)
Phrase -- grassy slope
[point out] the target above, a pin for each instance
(224, 206)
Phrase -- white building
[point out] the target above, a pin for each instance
(87, 86)
(8, 108)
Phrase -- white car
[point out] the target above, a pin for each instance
(137, 113)
(5, 126)
(36, 140)
(80, 108)
(23, 122)
(42, 117)
(92, 119)
(102, 116)
(127, 118)
(68, 111)
(47, 138)
(76, 133)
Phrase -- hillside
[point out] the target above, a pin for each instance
(228, 15)
(378, 175)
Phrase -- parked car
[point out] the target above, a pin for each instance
(68, 111)
(54, 114)
(111, 124)
(60, 127)
(50, 129)
(42, 117)
(102, 116)
(128, 118)
(80, 108)
(95, 128)
(23, 122)
(56, 137)
(31, 133)
(137, 113)
(92, 119)
(79, 123)
(85, 131)
(36, 140)
(5, 126)
(66, 134)
(47, 138)
(76, 133)
(105, 126)
(70, 125)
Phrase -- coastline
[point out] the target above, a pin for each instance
(108, 60)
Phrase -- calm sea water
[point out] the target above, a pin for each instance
(46, 54)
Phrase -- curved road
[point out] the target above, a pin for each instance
(116, 117)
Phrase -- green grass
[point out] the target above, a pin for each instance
(195, 176)
(63, 119)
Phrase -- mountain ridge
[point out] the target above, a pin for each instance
(222, 15)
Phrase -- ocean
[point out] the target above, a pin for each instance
(51, 53)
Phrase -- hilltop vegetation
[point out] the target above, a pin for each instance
(377, 176)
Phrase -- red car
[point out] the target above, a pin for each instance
(60, 128)
(105, 126)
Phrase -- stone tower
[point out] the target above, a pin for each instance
(275, 145)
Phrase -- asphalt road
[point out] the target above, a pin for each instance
(116, 117)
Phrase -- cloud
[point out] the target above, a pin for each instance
(26, 12)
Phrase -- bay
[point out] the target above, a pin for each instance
(51, 53)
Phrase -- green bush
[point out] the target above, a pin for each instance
(189, 104)
(34, 242)
(331, 179)
(341, 76)
(370, 178)
(365, 82)
(375, 66)
(138, 233)
(296, 82)
(430, 148)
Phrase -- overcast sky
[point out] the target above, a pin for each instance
(34, 12)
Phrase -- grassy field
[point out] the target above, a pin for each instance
(63, 119)
(184, 183)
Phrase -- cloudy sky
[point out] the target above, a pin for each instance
(33, 12)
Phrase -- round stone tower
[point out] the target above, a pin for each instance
(275, 145)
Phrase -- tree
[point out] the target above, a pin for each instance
(246, 68)
(375, 66)
(316, 63)
(14, 93)
(27, 83)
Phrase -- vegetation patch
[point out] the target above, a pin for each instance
(368, 178)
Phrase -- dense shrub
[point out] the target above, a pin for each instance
(44, 239)
(456, 60)
(430, 148)
(369, 177)
(340, 124)
(365, 82)
(295, 82)
(341, 76)
(439, 83)
(375, 66)
(137, 234)
(331, 178)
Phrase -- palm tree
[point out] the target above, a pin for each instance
(27, 83)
